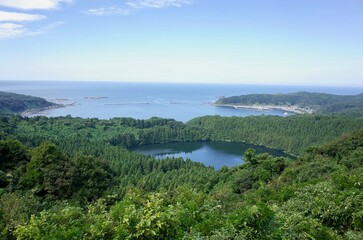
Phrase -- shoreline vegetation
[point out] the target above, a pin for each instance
(262, 107)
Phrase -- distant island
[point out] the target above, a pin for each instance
(300, 103)
(12, 103)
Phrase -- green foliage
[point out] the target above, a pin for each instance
(87, 185)
(13, 157)
(52, 174)
(12, 154)
(15, 210)
(91, 137)
(344, 145)
(293, 134)
(12, 213)
(67, 223)
(11, 103)
(263, 170)
(92, 176)
(47, 171)
(146, 218)
(296, 226)
(254, 222)
(249, 156)
(324, 202)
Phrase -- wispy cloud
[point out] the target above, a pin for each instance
(32, 4)
(139, 4)
(44, 29)
(107, 11)
(131, 6)
(15, 24)
(12, 30)
(19, 17)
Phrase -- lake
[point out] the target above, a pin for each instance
(182, 102)
(215, 154)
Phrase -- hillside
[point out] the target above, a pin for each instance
(301, 101)
(95, 190)
(12, 103)
(293, 134)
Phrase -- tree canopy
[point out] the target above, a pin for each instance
(65, 177)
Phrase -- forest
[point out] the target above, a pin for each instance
(12, 103)
(321, 103)
(74, 178)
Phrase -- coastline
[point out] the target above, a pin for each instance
(292, 109)
(29, 112)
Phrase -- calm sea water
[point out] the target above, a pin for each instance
(215, 154)
(144, 100)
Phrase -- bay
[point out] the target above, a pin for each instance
(214, 154)
(182, 102)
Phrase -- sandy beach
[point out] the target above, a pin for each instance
(293, 109)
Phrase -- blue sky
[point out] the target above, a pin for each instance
(297, 42)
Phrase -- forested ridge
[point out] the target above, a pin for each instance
(321, 103)
(12, 103)
(61, 178)
(293, 134)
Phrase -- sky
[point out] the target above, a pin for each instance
(294, 42)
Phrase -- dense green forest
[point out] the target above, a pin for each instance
(98, 190)
(11, 103)
(74, 178)
(292, 134)
(321, 103)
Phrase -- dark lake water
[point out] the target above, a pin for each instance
(182, 102)
(215, 154)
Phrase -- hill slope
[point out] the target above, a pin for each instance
(11, 103)
(293, 134)
(317, 196)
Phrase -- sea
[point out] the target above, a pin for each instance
(183, 102)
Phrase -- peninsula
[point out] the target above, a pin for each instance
(300, 103)
(13, 103)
